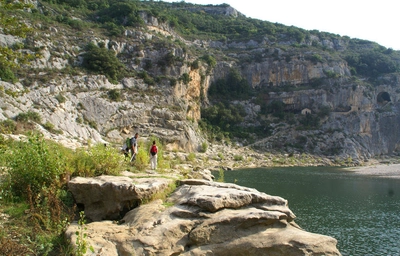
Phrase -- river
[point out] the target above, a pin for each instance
(361, 212)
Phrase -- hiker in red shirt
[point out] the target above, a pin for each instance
(153, 155)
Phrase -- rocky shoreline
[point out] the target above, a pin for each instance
(378, 170)
(199, 218)
(238, 157)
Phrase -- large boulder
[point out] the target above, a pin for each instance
(207, 218)
(107, 197)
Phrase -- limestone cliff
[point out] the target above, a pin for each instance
(169, 78)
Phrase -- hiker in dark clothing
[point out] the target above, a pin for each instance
(134, 146)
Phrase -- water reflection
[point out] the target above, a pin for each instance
(361, 212)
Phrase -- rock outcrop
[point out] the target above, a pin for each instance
(206, 218)
(107, 197)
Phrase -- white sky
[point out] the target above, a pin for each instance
(376, 21)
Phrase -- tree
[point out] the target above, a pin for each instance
(123, 13)
(372, 62)
(103, 61)
(233, 86)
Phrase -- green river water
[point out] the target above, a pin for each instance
(361, 212)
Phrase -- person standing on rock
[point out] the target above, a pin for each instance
(134, 146)
(153, 155)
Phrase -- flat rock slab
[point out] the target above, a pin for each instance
(107, 197)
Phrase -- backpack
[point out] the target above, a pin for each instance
(153, 150)
(128, 143)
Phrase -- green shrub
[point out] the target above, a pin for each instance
(121, 13)
(114, 94)
(77, 24)
(7, 126)
(83, 164)
(331, 74)
(28, 116)
(324, 111)
(60, 98)
(191, 157)
(210, 60)
(142, 158)
(3, 149)
(315, 58)
(172, 81)
(372, 62)
(103, 61)
(185, 78)
(204, 147)
(195, 64)
(91, 123)
(97, 160)
(221, 175)
(146, 78)
(309, 122)
(6, 74)
(233, 86)
(34, 164)
(113, 29)
(148, 64)
(221, 121)
(238, 158)
(48, 126)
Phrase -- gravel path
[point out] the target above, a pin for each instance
(380, 170)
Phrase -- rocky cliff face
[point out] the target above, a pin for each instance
(362, 123)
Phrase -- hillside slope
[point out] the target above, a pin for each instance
(186, 73)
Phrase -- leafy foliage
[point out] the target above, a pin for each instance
(372, 62)
(12, 25)
(142, 158)
(121, 13)
(233, 86)
(81, 237)
(29, 116)
(309, 122)
(185, 78)
(10, 59)
(97, 160)
(276, 108)
(7, 126)
(103, 61)
(33, 165)
(221, 120)
(210, 60)
(114, 94)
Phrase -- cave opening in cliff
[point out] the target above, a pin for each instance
(383, 97)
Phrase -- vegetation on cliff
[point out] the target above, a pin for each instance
(191, 21)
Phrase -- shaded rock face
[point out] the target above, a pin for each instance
(207, 218)
(359, 126)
